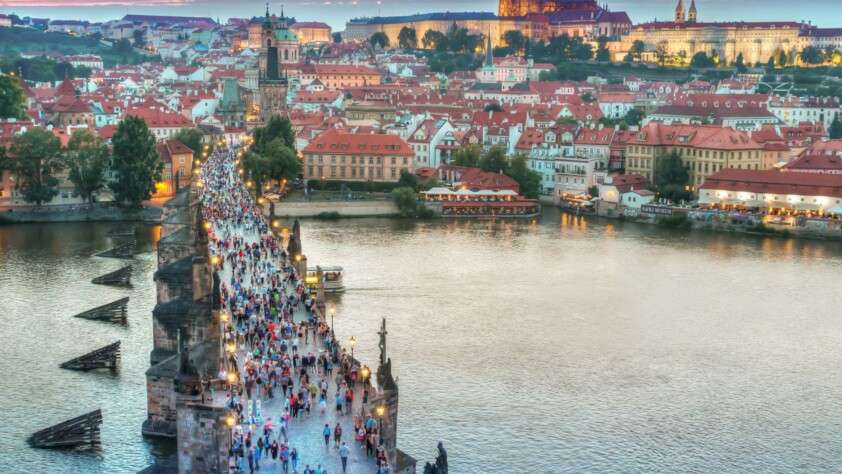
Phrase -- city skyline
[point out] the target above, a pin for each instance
(337, 13)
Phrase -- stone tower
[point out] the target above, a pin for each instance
(679, 12)
(280, 46)
(692, 14)
(232, 107)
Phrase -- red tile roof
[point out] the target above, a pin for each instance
(775, 182)
(334, 142)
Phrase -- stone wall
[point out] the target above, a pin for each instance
(203, 439)
(343, 208)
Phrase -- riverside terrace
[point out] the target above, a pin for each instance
(295, 399)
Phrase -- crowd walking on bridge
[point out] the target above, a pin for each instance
(297, 400)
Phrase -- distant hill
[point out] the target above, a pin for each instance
(15, 41)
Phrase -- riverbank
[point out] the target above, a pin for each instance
(334, 209)
(712, 220)
(98, 212)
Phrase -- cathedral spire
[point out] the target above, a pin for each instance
(679, 12)
(692, 14)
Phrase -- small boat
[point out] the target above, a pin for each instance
(332, 277)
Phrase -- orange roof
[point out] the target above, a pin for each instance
(696, 136)
(334, 142)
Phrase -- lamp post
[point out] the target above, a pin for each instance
(332, 311)
(380, 411)
(353, 342)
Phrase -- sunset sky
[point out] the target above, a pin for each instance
(825, 13)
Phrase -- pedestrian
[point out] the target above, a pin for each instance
(326, 433)
(344, 451)
(293, 457)
(337, 435)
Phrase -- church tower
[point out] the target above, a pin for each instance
(280, 46)
(679, 12)
(692, 15)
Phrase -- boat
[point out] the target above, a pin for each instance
(332, 277)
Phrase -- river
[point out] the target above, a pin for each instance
(564, 345)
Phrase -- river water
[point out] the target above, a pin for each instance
(565, 345)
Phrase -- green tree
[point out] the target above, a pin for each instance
(276, 127)
(661, 52)
(136, 163)
(12, 101)
(193, 139)
(671, 177)
(515, 40)
(602, 53)
(467, 156)
(86, 160)
(122, 46)
(528, 180)
(336, 37)
(406, 200)
(494, 160)
(701, 60)
(588, 98)
(408, 38)
(740, 64)
(835, 130)
(433, 39)
(637, 49)
(379, 39)
(781, 59)
(633, 117)
(36, 158)
(283, 162)
(408, 180)
(278, 161)
(812, 55)
(139, 37)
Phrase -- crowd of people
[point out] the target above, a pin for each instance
(285, 367)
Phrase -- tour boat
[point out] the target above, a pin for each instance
(332, 277)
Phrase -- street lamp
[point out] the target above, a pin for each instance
(353, 342)
(364, 373)
(332, 311)
(381, 410)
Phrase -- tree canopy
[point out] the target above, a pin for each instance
(701, 60)
(136, 163)
(11, 98)
(36, 159)
(466, 156)
(407, 38)
(86, 160)
(671, 177)
(379, 39)
(515, 40)
(835, 130)
(276, 127)
(193, 139)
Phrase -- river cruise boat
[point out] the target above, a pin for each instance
(332, 278)
(483, 203)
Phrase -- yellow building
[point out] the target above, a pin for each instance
(704, 150)
(682, 38)
(361, 29)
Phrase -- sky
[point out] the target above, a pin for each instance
(824, 13)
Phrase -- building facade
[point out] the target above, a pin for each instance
(336, 155)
